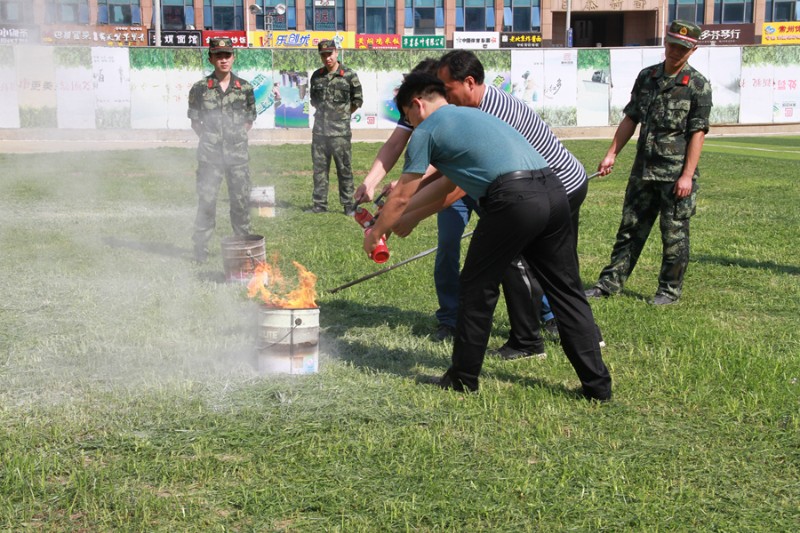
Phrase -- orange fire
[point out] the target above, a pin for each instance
(269, 284)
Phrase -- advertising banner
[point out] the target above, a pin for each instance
(423, 41)
(594, 84)
(727, 34)
(378, 41)
(9, 106)
(773, 33)
(786, 93)
(724, 69)
(75, 100)
(625, 66)
(238, 38)
(520, 40)
(112, 82)
(97, 35)
(560, 87)
(292, 105)
(256, 66)
(36, 86)
(527, 77)
(71, 35)
(756, 86)
(302, 39)
(476, 40)
(160, 79)
(19, 35)
(366, 116)
(176, 38)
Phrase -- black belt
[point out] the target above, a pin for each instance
(522, 174)
(511, 176)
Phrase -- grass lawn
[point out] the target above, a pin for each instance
(128, 398)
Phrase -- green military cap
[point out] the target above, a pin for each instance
(326, 45)
(220, 44)
(683, 33)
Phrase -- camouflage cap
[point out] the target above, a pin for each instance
(683, 33)
(326, 45)
(220, 44)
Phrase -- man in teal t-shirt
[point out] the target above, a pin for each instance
(525, 211)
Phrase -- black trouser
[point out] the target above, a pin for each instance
(526, 213)
(523, 292)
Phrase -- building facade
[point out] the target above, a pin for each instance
(608, 23)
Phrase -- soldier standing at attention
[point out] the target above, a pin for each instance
(336, 94)
(672, 102)
(222, 108)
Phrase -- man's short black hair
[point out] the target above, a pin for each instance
(428, 65)
(418, 85)
(463, 63)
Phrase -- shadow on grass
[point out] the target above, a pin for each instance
(748, 263)
(625, 293)
(338, 317)
(169, 250)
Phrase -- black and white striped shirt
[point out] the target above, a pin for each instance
(522, 118)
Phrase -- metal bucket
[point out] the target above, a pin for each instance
(262, 200)
(288, 341)
(240, 256)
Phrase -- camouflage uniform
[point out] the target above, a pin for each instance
(334, 95)
(222, 151)
(669, 110)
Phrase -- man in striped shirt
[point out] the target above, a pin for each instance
(463, 77)
(524, 339)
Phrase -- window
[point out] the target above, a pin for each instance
(119, 12)
(16, 11)
(325, 15)
(176, 14)
(376, 16)
(425, 16)
(733, 11)
(782, 10)
(475, 15)
(287, 21)
(223, 14)
(67, 12)
(691, 10)
(522, 15)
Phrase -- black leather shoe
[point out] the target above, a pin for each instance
(596, 292)
(446, 382)
(550, 329)
(317, 209)
(594, 397)
(508, 353)
(663, 299)
(349, 211)
(444, 333)
(200, 255)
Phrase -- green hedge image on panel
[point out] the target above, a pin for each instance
(7, 56)
(296, 60)
(109, 119)
(258, 59)
(73, 56)
(38, 117)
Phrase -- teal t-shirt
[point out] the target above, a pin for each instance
(470, 147)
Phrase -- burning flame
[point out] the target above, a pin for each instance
(269, 284)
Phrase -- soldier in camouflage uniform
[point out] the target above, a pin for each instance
(222, 108)
(671, 101)
(336, 94)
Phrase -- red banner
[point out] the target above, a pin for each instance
(375, 41)
(238, 38)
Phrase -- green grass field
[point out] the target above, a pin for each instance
(128, 399)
